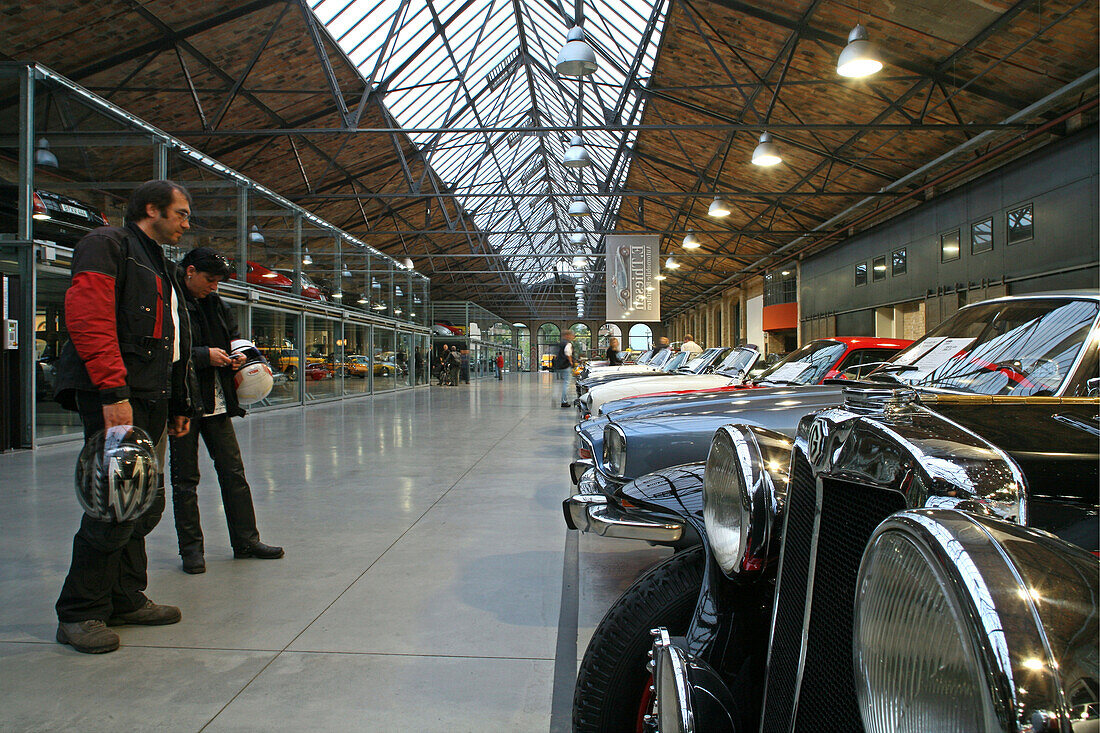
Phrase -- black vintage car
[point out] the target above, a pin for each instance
(921, 562)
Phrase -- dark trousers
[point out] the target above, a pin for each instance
(108, 573)
(221, 443)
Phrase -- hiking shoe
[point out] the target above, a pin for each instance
(258, 550)
(90, 637)
(193, 563)
(148, 615)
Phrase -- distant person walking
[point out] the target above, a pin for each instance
(563, 365)
(613, 355)
(690, 346)
(500, 365)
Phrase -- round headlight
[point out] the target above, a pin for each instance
(673, 698)
(740, 495)
(916, 667)
(725, 510)
(614, 450)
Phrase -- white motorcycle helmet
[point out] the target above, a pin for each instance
(253, 380)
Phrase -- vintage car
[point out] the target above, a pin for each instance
(678, 363)
(1028, 345)
(918, 560)
(642, 360)
(309, 288)
(354, 365)
(820, 359)
(257, 274)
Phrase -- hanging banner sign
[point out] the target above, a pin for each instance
(633, 262)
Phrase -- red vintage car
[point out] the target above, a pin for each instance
(260, 275)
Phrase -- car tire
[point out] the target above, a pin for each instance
(613, 672)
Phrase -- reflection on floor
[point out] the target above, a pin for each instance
(420, 592)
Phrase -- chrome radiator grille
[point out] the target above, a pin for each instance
(822, 696)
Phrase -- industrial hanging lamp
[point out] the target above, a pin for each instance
(43, 156)
(576, 58)
(767, 152)
(578, 207)
(719, 207)
(860, 57)
(672, 264)
(306, 259)
(691, 241)
(255, 236)
(577, 155)
(578, 238)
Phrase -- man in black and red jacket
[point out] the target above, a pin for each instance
(125, 364)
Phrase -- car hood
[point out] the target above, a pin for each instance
(674, 433)
(595, 376)
(640, 385)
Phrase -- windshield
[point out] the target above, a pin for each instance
(807, 365)
(702, 361)
(676, 361)
(1021, 347)
(737, 362)
(660, 358)
(645, 357)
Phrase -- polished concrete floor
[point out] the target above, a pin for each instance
(429, 582)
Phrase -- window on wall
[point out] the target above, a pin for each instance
(878, 268)
(780, 286)
(583, 337)
(641, 337)
(898, 262)
(861, 273)
(605, 333)
(949, 246)
(1021, 225)
(981, 236)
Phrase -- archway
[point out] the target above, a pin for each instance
(641, 337)
(548, 337)
(523, 341)
(582, 343)
(604, 335)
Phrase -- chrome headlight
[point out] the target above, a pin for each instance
(952, 626)
(614, 449)
(743, 487)
(672, 694)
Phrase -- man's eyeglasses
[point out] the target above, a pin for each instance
(182, 213)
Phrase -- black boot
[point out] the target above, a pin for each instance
(258, 550)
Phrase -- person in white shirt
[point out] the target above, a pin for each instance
(690, 346)
(563, 365)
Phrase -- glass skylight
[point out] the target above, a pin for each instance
(481, 64)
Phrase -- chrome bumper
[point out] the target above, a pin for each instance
(589, 511)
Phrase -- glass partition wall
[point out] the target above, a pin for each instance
(304, 290)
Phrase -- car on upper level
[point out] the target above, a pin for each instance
(309, 288)
(821, 359)
(912, 555)
(56, 219)
(1037, 345)
(257, 274)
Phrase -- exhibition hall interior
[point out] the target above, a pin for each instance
(658, 366)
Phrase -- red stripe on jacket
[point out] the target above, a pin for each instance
(90, 318)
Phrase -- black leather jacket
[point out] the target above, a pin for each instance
(119, 318)
(212, 325)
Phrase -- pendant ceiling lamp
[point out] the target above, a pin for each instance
(860, 57)
(671, 264)
(660, 277)
(338, 295)
(43, 156)
(719, 207)
(346, 272)
(580, 262)
(255, 236)
(576, 58)
(363, 299)
(691, 241)
(767, 152)
(408, 263)
(306, 259)
(578, 238)
(578, 207)
(577, 155)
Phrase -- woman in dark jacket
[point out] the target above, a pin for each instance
(613, 358)
(213, 327)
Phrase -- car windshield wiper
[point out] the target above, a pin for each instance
(780, 382)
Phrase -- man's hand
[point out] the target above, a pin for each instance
(218, 357)
(120, 413)
(179, 425)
